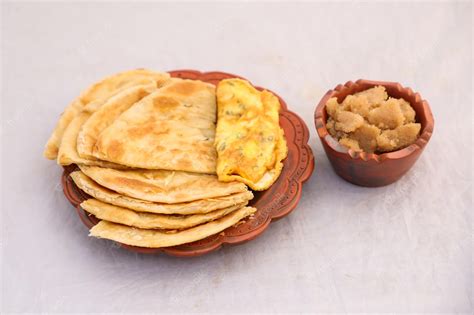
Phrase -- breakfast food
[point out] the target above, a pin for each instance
(158, 238)
(162, 185)
(104, 116)
(145, 220)
(145, 149)
(400, 137)
(172, 129)
(98, 92)
(249, 141)
(193, 207)
(67, 153)
(372, 122)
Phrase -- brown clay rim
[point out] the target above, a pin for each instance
(426, 132)
(276, 202)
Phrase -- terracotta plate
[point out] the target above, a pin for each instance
(276, 202)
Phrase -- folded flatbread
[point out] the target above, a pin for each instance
(72, 137)
(156, 238)
(162, 185)
(193, 207)
(143, 220)
(172, 129)
(67, 151)
(99, 92)
(106, 114)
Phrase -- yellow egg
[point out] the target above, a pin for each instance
(249, 141)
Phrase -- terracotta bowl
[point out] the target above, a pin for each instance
(272, 204)
(369, 169)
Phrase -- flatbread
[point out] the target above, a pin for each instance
(106, 114)
(68, 151)
(99, 91)
(173, 129)
(52, 146)
(143, 220)
(156, 239)
(68, 155)
(193, 207)
(162, 185)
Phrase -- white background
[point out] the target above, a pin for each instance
(402, 248)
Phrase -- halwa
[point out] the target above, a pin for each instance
(372, 122)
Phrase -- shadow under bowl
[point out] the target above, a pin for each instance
(370, 169)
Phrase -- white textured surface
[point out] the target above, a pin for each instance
(402, 248)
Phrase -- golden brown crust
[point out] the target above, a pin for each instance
(193, 207)
(156, 238)
(172, 129)
(162, 185)
(106, 114)
(52, 146)
(68, 155)
(97, 92)
(145, 220)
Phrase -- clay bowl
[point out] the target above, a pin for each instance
(272, 204)
(368, 169)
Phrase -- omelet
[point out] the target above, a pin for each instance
(249, 141)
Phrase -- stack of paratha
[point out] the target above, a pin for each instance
(144, 144)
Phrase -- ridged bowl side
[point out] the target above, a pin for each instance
(369, 169)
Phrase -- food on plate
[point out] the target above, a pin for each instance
(156, 169)
(249, 141)
(145, 220)
(172, 129)
(160, 238)
(372, 122)
(193, 207)
(106, 114)
(162, 185)
(98, 92)
(67, 153)
(80, 133)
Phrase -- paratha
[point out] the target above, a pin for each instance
(68, 155)
(156, 238)
(143, 220)
(172, 129)
(162, 185)
(68, 150)
(52, 146)
(193, 207)
(249, 140)
(106, 114)
(99, 91)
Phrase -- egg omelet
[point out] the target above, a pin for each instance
(249, 141)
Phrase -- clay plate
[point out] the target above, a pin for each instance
(276, 202)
